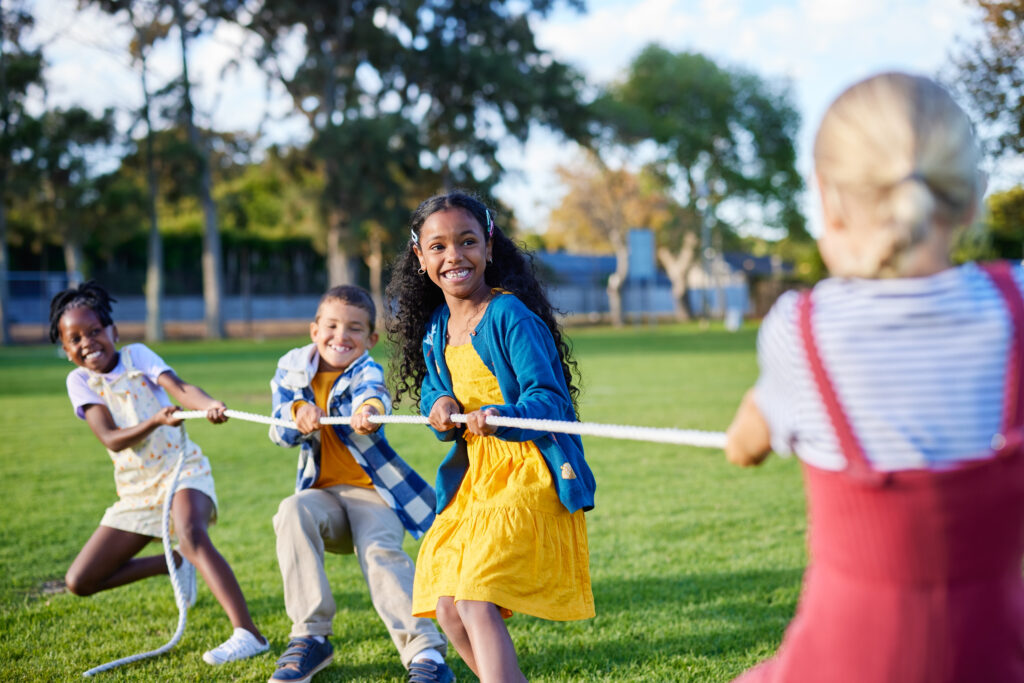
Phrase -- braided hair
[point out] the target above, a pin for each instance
(415, 297)
(90, 294)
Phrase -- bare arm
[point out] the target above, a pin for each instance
(748, 439)
(117, 438)
(192, 397)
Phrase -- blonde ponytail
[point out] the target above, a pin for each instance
(898, 156)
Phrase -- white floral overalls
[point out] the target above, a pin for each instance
(142, 473)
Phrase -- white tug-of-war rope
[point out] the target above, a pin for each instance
(680, 437)
(179, 591)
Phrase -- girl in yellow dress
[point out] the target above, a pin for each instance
(475, 334)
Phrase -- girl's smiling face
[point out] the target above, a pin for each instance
(453, 251)
(86, 341)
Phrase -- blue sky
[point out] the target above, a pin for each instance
(819, 46)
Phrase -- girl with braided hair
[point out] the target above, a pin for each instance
(475, 334)
(123, 397)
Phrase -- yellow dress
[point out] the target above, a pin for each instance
(505, 538)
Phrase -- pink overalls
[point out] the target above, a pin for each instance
(915, 576)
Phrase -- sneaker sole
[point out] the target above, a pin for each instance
(317, 669)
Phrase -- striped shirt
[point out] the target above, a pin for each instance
(918, 365)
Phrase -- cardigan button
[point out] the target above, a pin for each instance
(998, 441)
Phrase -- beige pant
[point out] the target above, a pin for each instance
(336, 519)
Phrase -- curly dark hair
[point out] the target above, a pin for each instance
(415, 297)
(90, 294)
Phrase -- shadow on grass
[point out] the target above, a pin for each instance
(696, 617)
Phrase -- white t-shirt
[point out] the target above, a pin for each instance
(918, 365)
(151, 365)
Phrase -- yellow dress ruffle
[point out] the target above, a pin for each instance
(505, 538)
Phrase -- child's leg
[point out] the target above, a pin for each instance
(451, 624)
(308, 524)
(492, 645)
(389, 571)
(106, 561)
(191, 511)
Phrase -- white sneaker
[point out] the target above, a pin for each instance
(186, 576)
(240, 645)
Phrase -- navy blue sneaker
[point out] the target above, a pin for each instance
(303, 658)
(428, 671)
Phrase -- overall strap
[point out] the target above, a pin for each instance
(126, 358)
(1001, 274)
(857, 464)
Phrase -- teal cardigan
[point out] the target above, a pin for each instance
(515, 345)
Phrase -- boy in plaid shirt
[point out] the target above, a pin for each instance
(353, 493)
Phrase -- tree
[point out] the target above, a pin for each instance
(153, 20)
(461, 75)
(21, 70)
(147, 31)
(70, 139)
(989, 72)
(723, 138)
(598, 210)
(213, 278)
(1000, 234)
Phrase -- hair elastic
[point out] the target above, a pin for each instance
(490, 223)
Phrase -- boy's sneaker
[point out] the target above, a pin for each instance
(303, 658)
(186, 576)
(428, 671)
(240, 645)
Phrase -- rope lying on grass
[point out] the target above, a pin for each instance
(681, 437)
(179, 592)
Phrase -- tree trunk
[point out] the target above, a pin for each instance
(375, 263)
(677, 266)
(615, 282)
(154, 285)
(5, 290)
(212, 277)
(155, 251)
(339, 266)
(73, 259)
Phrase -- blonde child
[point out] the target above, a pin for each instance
(123, 397)
(352, 493)
(897, 382)
(475, 334)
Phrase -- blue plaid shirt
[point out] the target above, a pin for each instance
(404, 491)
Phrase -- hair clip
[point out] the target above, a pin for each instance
(413, 234)
(490, 223)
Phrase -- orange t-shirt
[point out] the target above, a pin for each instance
(337, 466)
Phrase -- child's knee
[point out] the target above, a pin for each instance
(191, 537)
(447, 614)
(296, 511)
(289, 513)
(78, 584)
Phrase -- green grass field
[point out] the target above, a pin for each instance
(696, 565)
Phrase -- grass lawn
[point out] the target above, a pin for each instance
(696, 565)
